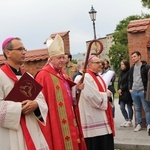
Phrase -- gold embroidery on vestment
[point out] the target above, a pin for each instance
(62, 114)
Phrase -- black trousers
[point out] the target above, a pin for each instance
(104, 142)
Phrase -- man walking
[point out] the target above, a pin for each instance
(95, 109)
(61, 131)
(138, 76)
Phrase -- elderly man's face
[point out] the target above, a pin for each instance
(58, 61)
(95, 64)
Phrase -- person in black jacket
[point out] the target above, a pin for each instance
(125, 98)
(138, 76)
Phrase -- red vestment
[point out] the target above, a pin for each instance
(61, 131)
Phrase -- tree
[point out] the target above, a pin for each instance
(74, 61)
(119, 50)
(146, 3)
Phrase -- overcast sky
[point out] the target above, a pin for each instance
(35, 20)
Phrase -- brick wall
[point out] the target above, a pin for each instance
(34, 66)
(138, 42)
(139, 37)
(66, 43)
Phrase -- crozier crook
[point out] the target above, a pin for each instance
(86, 62)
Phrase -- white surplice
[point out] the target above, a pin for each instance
(11, 136)
(92, 106)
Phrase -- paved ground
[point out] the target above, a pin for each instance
(126, 138)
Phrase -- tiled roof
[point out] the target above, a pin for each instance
(34, 55)
(31, 55)
(138, 25)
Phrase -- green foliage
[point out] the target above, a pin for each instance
(146, 3)
(120, 34)
(74, 61)
(119, 50)
(117, 53)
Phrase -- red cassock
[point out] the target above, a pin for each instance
(61, 131)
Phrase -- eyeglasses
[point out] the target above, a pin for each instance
(19, 49)
(97, 62)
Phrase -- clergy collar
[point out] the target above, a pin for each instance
(96, 74)
(16, 72)
(57, 70)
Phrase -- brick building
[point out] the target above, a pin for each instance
(139, 38)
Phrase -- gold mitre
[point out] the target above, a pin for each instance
(56, 47)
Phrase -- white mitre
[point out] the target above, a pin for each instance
(56, 46)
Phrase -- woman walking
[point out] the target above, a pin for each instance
(125, 98)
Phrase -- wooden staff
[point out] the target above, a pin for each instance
(86, 62)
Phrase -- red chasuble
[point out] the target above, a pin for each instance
(61, 131)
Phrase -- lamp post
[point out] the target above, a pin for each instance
(92, 13)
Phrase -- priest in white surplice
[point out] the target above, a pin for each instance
(95, 109)
(19, 127)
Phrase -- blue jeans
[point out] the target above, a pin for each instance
(139, 102)
(127, 115)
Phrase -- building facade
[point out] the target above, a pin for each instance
(107, 42)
